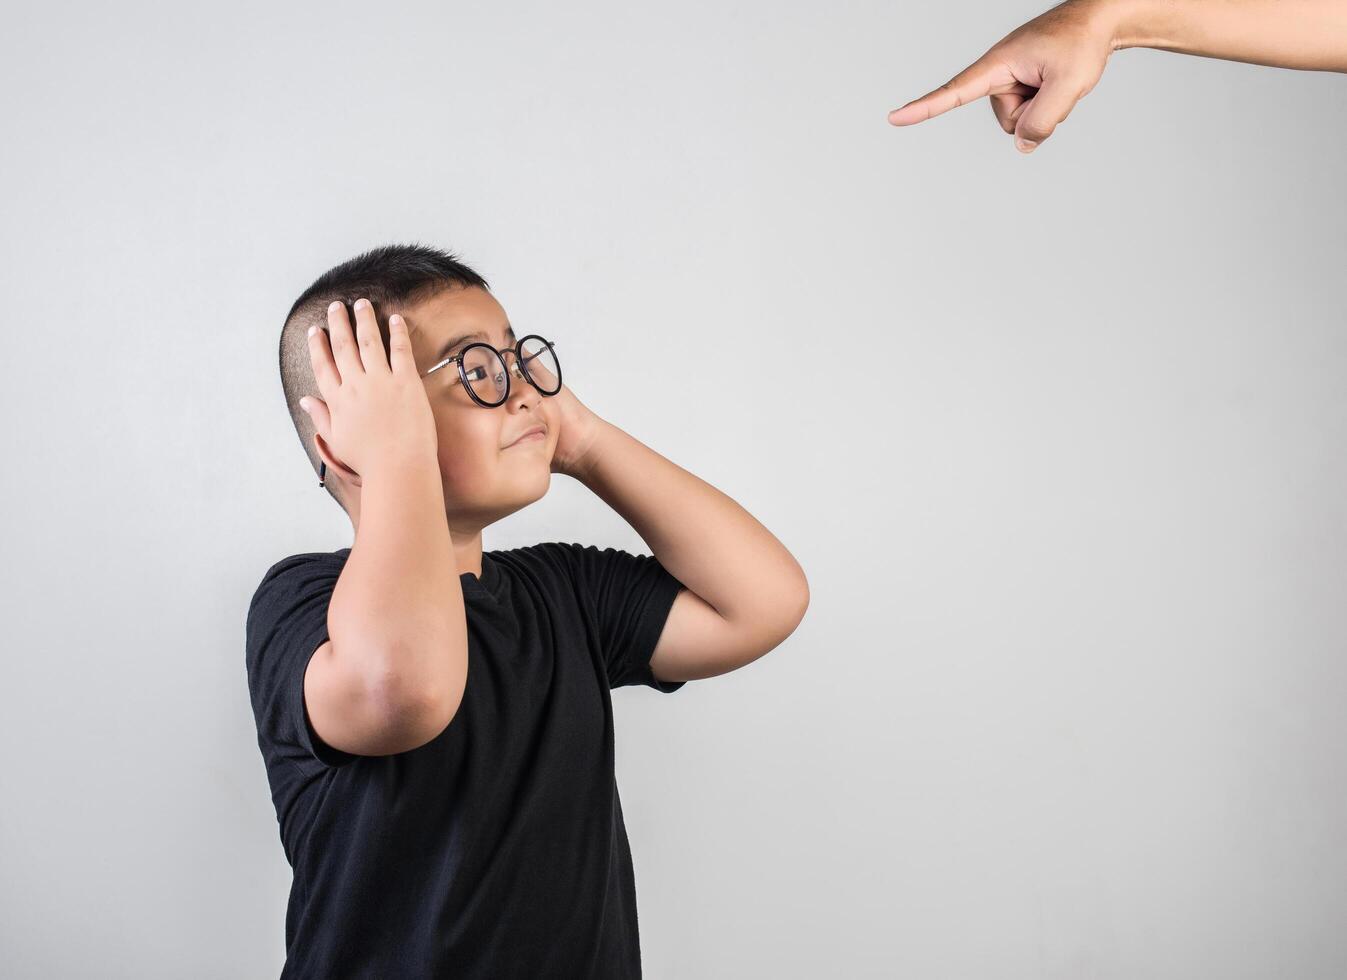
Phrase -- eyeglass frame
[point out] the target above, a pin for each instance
(520, 368)
(463, 377)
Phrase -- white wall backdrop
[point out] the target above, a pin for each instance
(1059, 441)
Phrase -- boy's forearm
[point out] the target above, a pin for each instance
(398, 604)
(1304, 34)
(701, 536)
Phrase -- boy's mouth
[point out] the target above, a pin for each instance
(532, 433)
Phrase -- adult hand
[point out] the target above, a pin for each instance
(1034, 76)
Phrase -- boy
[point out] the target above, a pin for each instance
(436, 720)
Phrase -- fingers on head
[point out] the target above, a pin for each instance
(316, 409)
(368, 339)
(338, 322)
(320, 356)
(339, 335)
(399, 345)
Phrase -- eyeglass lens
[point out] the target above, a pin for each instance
(486, 374)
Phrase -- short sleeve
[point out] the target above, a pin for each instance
(287, 622)
(631, 596)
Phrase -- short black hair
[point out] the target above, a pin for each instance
(389, 275)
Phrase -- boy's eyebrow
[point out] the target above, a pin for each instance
(454, 342)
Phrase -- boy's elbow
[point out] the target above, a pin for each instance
(414, 711)
(791, 607)
(798, 605)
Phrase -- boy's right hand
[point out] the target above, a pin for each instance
(374, 412)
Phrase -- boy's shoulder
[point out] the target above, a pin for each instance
(588, 567)
(569, 549)
(556, 557)
(571, 558)
(573, 561)
(304, 559)
(538, 548)
(297, 573)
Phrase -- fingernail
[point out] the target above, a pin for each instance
(313, 330)
(1025, 146)
(361, 303)
(334, 306)
(304, 404)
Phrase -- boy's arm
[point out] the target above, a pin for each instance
(392, 674)
(745, 592)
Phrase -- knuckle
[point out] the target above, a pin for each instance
(1035, 131)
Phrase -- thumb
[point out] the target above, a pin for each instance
(1040, 115)
(316, 409)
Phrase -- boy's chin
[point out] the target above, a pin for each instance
(528, 489)
(540, 484)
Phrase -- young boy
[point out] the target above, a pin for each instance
(436, 720)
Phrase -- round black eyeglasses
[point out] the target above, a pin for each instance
(482, 371)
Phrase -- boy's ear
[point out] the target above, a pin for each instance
(347, 474)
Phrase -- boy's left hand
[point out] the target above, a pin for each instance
(578, 429)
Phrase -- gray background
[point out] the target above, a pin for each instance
(1058, 440)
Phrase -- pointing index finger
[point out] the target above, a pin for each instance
(972, 83)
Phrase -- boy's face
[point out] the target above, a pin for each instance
(485, 477)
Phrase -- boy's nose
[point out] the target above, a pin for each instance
(514, 368)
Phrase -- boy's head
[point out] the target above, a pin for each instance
(442, 300)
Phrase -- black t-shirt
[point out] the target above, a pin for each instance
(498, 848)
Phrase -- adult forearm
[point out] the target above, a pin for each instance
(704, 538)
(398, 604)
(1305, 34)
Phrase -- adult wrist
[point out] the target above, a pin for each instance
(1137, 23)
